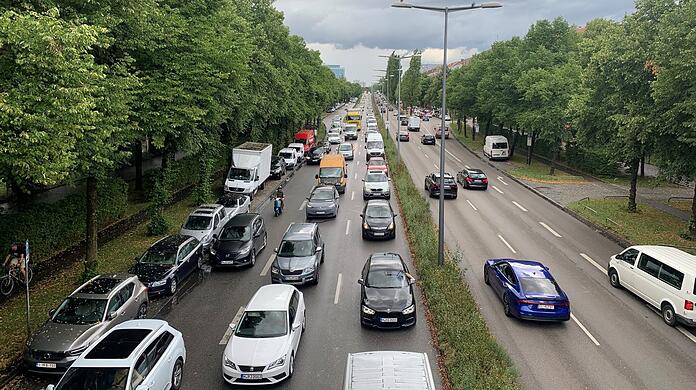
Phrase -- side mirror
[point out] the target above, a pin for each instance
(363, 179)
(50, 387)
(345, 175)
(361, 282)
(112, 315)
(296, 326)
(275, 250)
(257, 179)
(316, 176)
(51, 312)
(396, 215)
(361, 215)
(319, 249)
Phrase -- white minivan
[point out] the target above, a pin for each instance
(496, 147)
(414, 124)
(661, 275)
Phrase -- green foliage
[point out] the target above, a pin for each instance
(159, 197)
(411, 82)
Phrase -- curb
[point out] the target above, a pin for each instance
(598, 228)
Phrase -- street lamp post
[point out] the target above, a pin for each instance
(441, 202)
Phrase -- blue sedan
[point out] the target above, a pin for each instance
(527, 289)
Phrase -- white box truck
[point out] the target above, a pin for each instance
(388, 370)
(251, 167)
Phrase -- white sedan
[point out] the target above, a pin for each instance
(264, 344)
(334, 137)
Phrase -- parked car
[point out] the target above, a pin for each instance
(472, 178)
(299, 256)
(322, 202)
(387, 299)
(432, 185)
(291, 158)
(234, 203)
(240, 240)
(527, 289)
(438, 133)
(135, 355)
(428, 139)
(167, 263)
(404, 136)
(205, 222)
(662, 276)
(299, 150)
(87, 313)
(334, 137)
(278, 167)
(496, 147)
(264, 344)
(346, 150)
(376, 185)
(378, 220)
(315, 154)
(378, 164)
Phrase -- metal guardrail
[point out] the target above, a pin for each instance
(587, 198)
(679, 198)
(615, 196)
(612, 221)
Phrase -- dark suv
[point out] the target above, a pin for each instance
(472, 178)
(315, 154)
(299, 255)
(432, 185)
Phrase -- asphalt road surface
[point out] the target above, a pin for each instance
(613, 341)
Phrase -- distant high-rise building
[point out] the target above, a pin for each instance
(338, 70)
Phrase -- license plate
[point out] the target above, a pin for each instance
(252, 376)
(388, 319)
(46, 365)
(227, 262)
(320, 212)
(378, 234)
(545, 307)
(292, 277)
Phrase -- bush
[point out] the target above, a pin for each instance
(53, 227)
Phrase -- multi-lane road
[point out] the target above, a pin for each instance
(613, 340)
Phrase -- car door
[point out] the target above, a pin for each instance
(131, 303)
(626, 267)
(295, 320)
(500, 281)
(257, 236)
(183, 261)
(153, 368)
(317, 244)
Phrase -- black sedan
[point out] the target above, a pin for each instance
(278, 167)
(386, 292)
(240, 240)
(315, 154)
(432, 185)
(472, 178)
(167, 263)
(378, 220)
(322, 203)
(428, 139)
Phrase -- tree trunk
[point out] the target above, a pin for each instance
(473, 129)
(488, 125)
(464, 126)
(514, 144)
(91, 228)
(692, 222)
(459, 124)
(138, 164)
(634, 184)
(556, 153)
(642, 165)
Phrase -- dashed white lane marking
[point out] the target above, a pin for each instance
(498, 189)
(302, 206)
(347, 227)
(467, 167)
(472, 205)
(453, 156)
(352, 195)
(519, 206)
(355, 176)
(338, 288)
(591, 261)
(587, 332)
(550, 230)
(435, 165)
(500, 179)
(506, 244)
(268, 265)
(426, 155)
(419, 148)
(358, 162)
(230, 328)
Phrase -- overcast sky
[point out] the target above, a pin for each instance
(353, 33)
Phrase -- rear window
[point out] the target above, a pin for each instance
(539, 286)
(500, 145)
(477, 175)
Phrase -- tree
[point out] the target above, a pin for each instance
(410, 89)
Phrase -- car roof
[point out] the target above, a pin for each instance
(242, 219)
(271, 297)
(209, 207)
(528, 268)
(671, 256)
(171, 241)
(437, 174)
(378, 202)
(300, 231)
(286, 150)
(385, 259)
(473, 170)
(101, 286)
(120, 346)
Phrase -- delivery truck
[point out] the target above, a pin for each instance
(251, 167)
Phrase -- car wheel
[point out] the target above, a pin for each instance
(173, 286)
(142, 311)
(252, 261)
(668, 315)
(506, 306)
(425, 186)
(486, 277)
(614, 278)
(291, 367)
(177, 374)
(316, 277)
(265, 241)
(322, 258)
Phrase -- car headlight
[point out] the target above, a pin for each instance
(367, 310)
(309, 206)
(245, 250)
(76, 351)
(409, 309)
(391, 226)
(158, 283)
(366, 226)
(228, 363)
(275, 270)
(278, 363)
(308, 270)
(213, 251)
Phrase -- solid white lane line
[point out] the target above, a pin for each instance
(352, 195)
(589, 259)
(453, 156)
(230, 328)
(268, 265)
(426, 155)
(497, 189)
(357, 163)
(506, 243)
(302, 206)
(686, 333)
(500, 179)
(520, 206)
(550, 230)
(347, 227)
(587, 332)
(338, 288)
(472, 205)
(467, 167)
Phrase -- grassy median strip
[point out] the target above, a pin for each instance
(473, 359)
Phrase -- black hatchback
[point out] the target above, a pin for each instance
(378, 220)
(240, 240)
(428, 139)
(386, 292)
(315, 154)
(432, 185)
(472, 178)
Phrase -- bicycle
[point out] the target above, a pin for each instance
(13, 276)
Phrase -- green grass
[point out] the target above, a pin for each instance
(684, 205)
(540, 172)
(475, 145)
(647, 226)
(472, 357)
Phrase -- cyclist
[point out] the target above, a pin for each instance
(16, 258)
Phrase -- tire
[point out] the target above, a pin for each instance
(486, 278)
(6, 285)
(668, 314)
(322, 258)
(614, 278)
(291, 367)
(173, 286)
(177, 374)
(142, 311)
(316, 278)
(506, 306)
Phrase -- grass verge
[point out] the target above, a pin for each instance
(475, 145)
(539, 172)
(683, 205)
(472, 358)
(647, 226)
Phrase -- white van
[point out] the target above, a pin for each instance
(414, 123)
(661, 275)
(388, 370)
(496, 147)
(374, 146)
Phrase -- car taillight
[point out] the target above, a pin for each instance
(485, 180)
(688, 305)
(469, 180)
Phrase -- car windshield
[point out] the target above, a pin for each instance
(330, 172)
(477, 175)
(261, 324)
(198, 222)
(334, 134)
(80, 311)
(540, 286)
(286, 154)
(375, 145)
(322, 195)
(317, 151)
(345, 148)
(353, 117)
(376, 161)
(236, 233)
(301, 141)
(98, 378)
(376, 178)
(239, 174)
(382, 278)
(159, 257)
(379, 211)
(296, 248)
